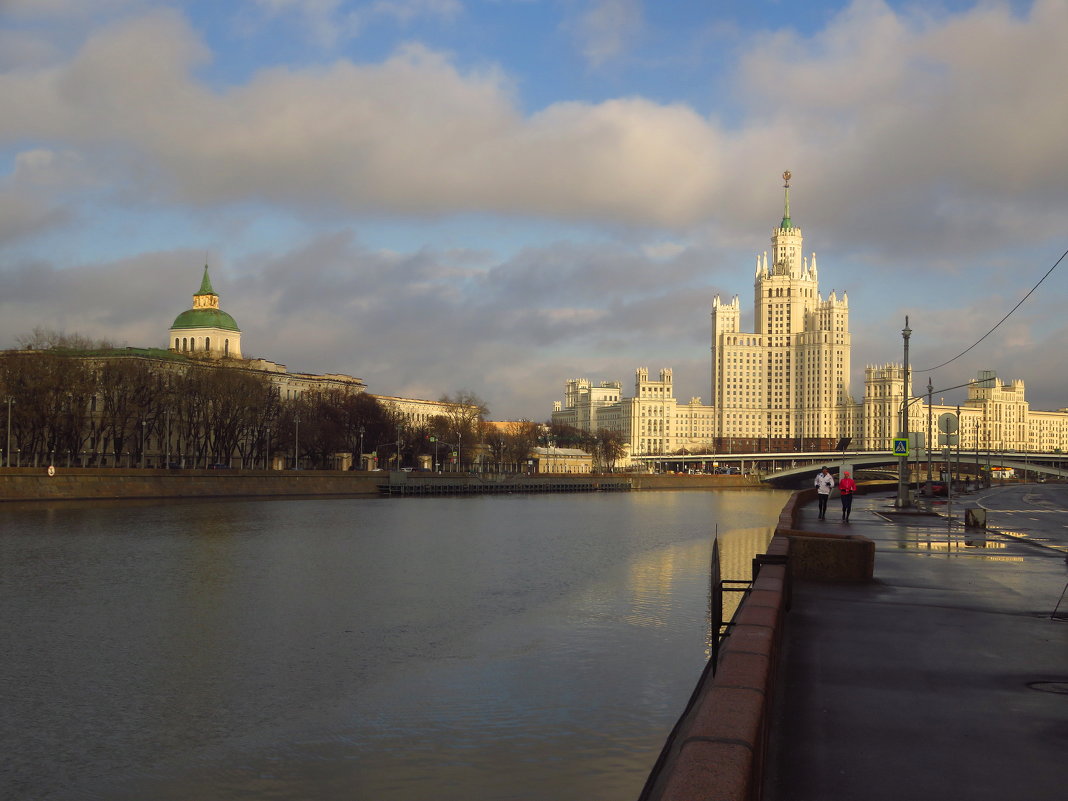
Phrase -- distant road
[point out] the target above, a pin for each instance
(1038, 512)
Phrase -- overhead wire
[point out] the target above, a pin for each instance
(1003, 319)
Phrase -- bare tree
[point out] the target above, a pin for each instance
(609, 447)
(466, 412)
(49, 339)
(566, 436)
(126, 388)
(521, 439)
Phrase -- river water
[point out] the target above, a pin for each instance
(519, 647)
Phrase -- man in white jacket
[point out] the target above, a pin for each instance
(824, 485)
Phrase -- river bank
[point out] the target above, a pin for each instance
(81, 483)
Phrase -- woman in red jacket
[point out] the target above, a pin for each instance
(847, 486)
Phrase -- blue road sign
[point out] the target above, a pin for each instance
(901, 446)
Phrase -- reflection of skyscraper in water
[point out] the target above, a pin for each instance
(737, 548)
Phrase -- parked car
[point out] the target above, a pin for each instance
(935, 488)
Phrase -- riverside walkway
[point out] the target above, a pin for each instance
(943, 678)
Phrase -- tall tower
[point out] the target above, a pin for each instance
(786, 385)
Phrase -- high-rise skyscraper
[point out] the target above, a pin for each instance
(785, 385)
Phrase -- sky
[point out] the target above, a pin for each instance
(497, 196)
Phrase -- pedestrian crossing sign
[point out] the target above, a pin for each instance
(901, 446)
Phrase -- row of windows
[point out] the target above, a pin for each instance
(189, 345)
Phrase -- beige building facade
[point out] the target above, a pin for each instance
(561, 460)
(995, 416)
(651, 421)
(784, 386)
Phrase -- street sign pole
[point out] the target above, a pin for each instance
(903, 462)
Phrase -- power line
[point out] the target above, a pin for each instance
(1003, 319)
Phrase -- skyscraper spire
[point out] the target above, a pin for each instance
(786, 222)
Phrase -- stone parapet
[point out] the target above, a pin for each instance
(717, 749)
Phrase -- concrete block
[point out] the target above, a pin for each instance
(832, 558)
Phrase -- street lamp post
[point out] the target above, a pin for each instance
(144, 426)
(296, 442)
(930, 431)
(903, 465)
(360, 457)
(7, 451)
(958, 443)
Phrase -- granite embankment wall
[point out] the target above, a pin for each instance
(717, 749)
(34, 483)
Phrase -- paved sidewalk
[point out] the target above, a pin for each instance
(945, 678)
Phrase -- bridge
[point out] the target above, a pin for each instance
(788, 469)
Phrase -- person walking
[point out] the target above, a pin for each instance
(824, 485)
(846, 487)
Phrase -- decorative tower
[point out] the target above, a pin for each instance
(786, 384)
(206, 329)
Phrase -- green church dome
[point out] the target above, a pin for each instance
(205, 318)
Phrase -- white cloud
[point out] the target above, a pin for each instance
(938, 124)
(331, 21)
(917, 145)
(659, 251)
(29, 196)
(607, 28)
(65, 9)
(961, 105)
(41, 168)
(22, 215)
(21, 49)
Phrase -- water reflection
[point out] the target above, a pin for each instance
(522, 647)
(736, 550)
(953, 540)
